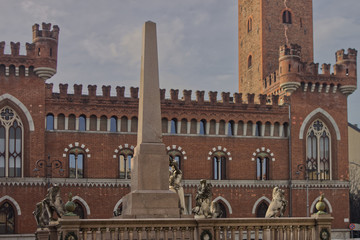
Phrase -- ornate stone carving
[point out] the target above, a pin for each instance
(52, 203)
(278, 204)
(205, 207)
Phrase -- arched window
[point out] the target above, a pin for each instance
(240, 128)
(177, 156)
(202, 130)
(82, 123)
(61, 122)
(286, 130)
(174, 125)
(249, 128)
(79, 210)
(93, 123)
(262, 166)
(76, 163)
(249, 61)
(113, 124)
(7, 219)
(219, 165)
(258, 130)
(261, 209)
(286, 17)
(318, 151)
(231, 125)
(50, 122)
(222, 207)
(11, 143)
(125, 156)
(249, 24)
(267, 129)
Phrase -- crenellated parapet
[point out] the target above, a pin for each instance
(91, 96)
(293, 73)
(40, 58)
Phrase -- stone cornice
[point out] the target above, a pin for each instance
(95, 182)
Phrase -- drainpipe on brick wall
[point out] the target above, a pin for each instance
(290, 166)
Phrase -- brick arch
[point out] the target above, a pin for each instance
(13, 201)
(22, 107)
(121, 147)
(221, 149)
(178, 148)
(326, 115)
(77, 144)
(84, 203)
(263, 149)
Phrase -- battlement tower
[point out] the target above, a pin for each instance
(264, 26)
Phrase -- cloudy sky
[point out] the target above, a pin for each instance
(100, 41)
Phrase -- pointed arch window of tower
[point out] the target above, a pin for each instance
(249, 61)
(286, 17)
(249, 24)
(11, 143)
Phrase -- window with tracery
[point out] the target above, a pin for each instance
(219, 165)
(318, 151)
(11, 143)
(76, 163)
(262, 166)
(125, 157)
(7, 219)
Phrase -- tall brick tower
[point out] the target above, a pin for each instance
(263, 27)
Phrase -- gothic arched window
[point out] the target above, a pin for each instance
(125, 156)
(219, 165)
(318, 151)
(249, 61)
(7, 219)
(76, 163)
(261, 209)
(11, 143)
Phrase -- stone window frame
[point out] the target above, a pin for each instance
(126, 151)
(260, 174)
(8, 206)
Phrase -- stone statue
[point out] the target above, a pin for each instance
(175, 184)
(205, 207)
(52, 203)
(278, 204)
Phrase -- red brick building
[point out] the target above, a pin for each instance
(287, 128)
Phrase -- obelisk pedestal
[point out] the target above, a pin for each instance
(150, 196)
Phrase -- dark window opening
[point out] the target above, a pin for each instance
(287, 17)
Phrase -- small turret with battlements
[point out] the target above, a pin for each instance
(41, 54)
(293, 73)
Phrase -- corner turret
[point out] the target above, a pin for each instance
(346, 67)
(45, 48)
(289, 67)
(41, 54)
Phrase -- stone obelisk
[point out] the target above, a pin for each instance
(150, 196)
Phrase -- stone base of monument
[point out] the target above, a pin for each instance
(150, 204)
